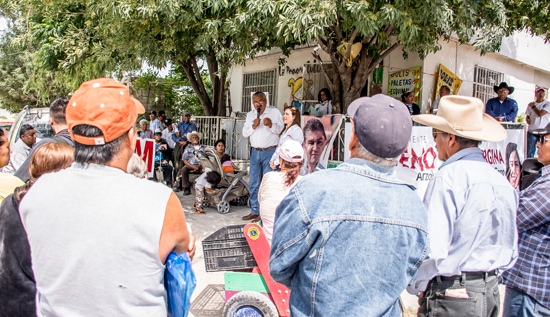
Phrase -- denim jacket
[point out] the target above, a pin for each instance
(347, 241)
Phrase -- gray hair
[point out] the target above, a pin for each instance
(137, 167)
(142, 121)
(386, 162)
(259, 93)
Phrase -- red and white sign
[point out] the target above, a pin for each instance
(145, 148)
(420, 159)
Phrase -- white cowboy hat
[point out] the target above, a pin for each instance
(189, 135)
(464, 117)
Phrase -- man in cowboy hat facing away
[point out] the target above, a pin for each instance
(502, 108)
(471, 216)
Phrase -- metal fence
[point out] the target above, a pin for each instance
(226, 128)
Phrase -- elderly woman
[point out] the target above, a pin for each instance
(291, 131)
(17, 284)
(191, 163)
(276, 185)
(144, 131)
(315, 140)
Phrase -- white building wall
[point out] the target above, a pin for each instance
(524, 60)
(462, 59)
(292, 69)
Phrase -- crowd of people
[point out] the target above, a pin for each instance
(347, 241)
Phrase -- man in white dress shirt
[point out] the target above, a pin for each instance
(155, 123)
(471, 216)
(21, 149)
(263, 125)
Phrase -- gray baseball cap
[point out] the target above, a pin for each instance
(382, 124)
(186, 113)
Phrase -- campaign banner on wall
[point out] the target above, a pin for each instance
(405, 80)
(145, 148)
(446, 78)
(419, 162)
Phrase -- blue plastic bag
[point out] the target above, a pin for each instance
(180, 283)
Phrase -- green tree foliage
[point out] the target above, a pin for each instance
(83, 39)
(17, 75)
(175, 90)
(382, 26)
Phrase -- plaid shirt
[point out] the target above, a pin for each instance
(531, 274)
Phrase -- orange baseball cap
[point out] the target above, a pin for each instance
(105, 104)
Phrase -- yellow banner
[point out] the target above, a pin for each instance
(446, 78)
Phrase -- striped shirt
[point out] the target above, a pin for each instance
(531, 274)
(471, 220)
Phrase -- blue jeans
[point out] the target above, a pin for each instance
(259, 165)
(531, 145)
(519, 304)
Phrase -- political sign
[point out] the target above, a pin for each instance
(145, 148)
(446, 78)
(405, 80)
(419, 162)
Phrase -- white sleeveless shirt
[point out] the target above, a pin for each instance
(94, 233)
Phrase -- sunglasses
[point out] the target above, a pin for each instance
(434, 133)
(542, 139)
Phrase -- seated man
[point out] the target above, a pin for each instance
(162, 156)
(191, 163)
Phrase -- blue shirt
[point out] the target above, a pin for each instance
(183, 129)
(348, 240)
(531, 274)
(507, 109)
(471, 219)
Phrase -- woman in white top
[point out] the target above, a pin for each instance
(276, 185)
(291, 131)
(324, 106)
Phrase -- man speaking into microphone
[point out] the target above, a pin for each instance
(263, 125)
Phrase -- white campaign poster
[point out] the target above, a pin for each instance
(419, 163)
(145, 148)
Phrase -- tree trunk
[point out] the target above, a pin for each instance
(197, 84)
(221, 95)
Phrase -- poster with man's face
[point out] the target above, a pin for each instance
(319, 135)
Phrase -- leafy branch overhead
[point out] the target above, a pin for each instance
(382, 26)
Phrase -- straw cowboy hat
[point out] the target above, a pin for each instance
(464, 117)
(189, 135)
(504, 85)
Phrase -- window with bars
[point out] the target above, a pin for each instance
(484, 81)
(261, 81)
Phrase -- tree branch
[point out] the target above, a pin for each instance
(389, 29)
(188, 69)
(199, 79)
(325, 70)
(375, 63)
(338, 32)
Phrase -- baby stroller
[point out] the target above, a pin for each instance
(231, 187)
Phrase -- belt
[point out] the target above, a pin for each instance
(468, 276)
(264, 148)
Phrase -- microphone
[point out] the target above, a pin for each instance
(258, 113)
